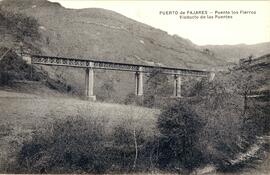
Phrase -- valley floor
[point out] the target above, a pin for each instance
(22, 112)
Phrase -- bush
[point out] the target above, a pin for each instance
(132, 149)
(79, 145)
(68, 145)
(13, 67)
(132, 99)
(179, 126)
(228, 129)
(222, 125)
(157, 88)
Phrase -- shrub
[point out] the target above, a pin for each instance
(228, 126)
(5, 130)
(157, 89)
(130, 99)
(82, 145)
(68, 145)
(179, 126)
(107, 90)
(132, 150)
(13, 67)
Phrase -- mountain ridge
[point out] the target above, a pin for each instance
(233, 53)
(99, 20)
(109, 36)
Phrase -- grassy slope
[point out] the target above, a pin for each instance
(106, 35)
(21, 113)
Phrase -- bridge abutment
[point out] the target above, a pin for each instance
(177, 86)
(89, 84)
(139, 82)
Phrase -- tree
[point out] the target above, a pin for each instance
(233, 120)
(107, 90)
(157, 86)
(179, 126)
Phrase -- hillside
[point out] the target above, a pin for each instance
(256, 71)
(217, 126)
(19, 122)
(104, 35)
(22, 113)
(233, 53)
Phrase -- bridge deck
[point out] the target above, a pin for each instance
(97, 64)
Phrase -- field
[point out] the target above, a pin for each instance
(46, 127)
(22, 113)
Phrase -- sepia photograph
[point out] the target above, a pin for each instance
(135, 87)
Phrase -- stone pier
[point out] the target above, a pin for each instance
(89, 84)
(211, 76)
(90, 65)
(139, 82)
(177, 86)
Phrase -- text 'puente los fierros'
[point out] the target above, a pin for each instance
(139, 70)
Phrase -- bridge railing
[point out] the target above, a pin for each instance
(90, 65)
(97, 64)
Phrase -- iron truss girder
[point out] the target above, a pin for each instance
(96, 64)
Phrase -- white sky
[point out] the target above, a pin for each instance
(248, 29)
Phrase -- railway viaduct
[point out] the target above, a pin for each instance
(139, 71)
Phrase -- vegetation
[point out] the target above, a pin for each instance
(107, 90)
(157, 90)
(14, 68)
(20, 26)
(72, 145)
(114, 124)
(77, 144)
(20, 29)
(180, 127)
(214, 127)
(229, 123)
